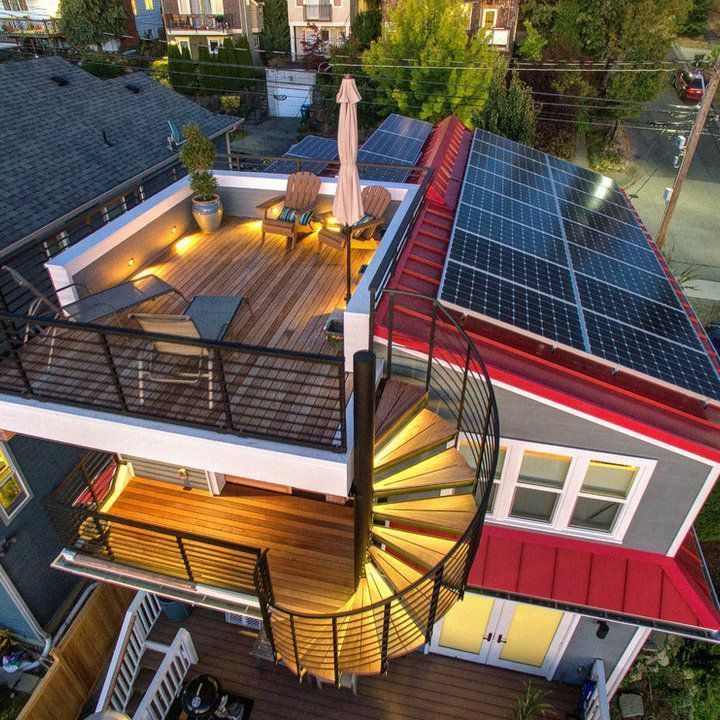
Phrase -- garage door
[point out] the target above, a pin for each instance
(286, 100)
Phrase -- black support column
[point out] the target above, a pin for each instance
(363, 453)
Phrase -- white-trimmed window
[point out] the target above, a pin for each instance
(14, 491)
(489, 17)
(577, 492)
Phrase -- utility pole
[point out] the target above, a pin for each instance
(697, 128)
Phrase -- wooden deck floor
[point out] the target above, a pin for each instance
(291, 292)
(310, 542)
(417, 686)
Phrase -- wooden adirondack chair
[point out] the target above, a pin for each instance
(301, 197)
(375, 202)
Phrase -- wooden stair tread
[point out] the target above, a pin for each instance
(448, 469)
(360, 652)
(425, 550)
(399, 574)
(398, 403)
(425, 431)
(451, 512)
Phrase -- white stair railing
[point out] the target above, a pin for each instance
(125, 663)
(597, 705)
(168, 680)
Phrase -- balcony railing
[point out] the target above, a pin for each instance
(75, 510)
(29, 26)
(314, 13)
(259, 392)
(174, 21)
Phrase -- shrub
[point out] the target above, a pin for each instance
(707, 523)
(102, 65)
(198, 155)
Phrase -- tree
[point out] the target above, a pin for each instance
(532, 46)
(509, 111)
(365, 28)
(91, 23)
(182, 71)
(275, 35)
(697, 17)
(449, 74)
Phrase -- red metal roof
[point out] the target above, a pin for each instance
(596, 576)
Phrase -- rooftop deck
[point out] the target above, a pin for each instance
(418, 687)
(275, 375)
(290, 293)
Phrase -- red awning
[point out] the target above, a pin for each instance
(596, 576)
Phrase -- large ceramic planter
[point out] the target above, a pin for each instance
(208, 213)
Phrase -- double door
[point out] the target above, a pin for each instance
(509, 634)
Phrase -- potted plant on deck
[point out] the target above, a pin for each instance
(198, 154)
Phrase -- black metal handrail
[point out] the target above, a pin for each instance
(75, 508)
(199, 21)
(252, 391)
(456, 378)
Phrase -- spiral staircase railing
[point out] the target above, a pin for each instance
(424, 344)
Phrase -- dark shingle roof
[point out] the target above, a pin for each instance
(54, 158)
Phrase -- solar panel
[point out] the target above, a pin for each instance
(398, 141)
(310, 147)
(555, 249)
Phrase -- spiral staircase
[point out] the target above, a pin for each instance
(419, 518)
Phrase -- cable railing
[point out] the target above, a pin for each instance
(199, 22)
(425, 345)
(250, 391)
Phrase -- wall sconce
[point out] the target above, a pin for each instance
(173, 229)
(131, 262)
(602, 630)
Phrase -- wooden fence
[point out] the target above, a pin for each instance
(80, 657)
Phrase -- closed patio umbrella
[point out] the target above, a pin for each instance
(347, 205)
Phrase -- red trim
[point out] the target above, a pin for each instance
(593, 575)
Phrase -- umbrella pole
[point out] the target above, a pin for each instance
(348, 293)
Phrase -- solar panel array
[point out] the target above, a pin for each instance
(398, 141)
(310, 147)
(555, 249)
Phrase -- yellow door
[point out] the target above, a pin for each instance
(528, 637)
(464, 629)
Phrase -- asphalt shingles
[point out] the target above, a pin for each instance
(54, 156)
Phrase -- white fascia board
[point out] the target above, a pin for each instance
(314, 470)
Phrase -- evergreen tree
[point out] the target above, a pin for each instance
(429, 31)
(182, 71)
(275, 35)
(366, 27)
(509, 111)
(91, 23)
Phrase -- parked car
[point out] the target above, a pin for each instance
(690, 84)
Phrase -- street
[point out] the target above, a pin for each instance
(694, 238)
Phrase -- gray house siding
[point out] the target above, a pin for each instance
(585, 647)
(672, 489)
(27, 563)
(148, 23)
(670, 493)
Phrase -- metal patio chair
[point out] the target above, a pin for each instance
(206, 318)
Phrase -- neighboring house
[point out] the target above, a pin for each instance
(191, 23)
(36, 23)
(328, 19)
(96, 137)
(498, 20)
(144, 19)
(514, 484)
(32, 594)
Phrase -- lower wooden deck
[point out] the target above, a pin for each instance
(310, 542)
(417, 686)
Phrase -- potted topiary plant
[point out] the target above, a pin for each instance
(198, 154)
